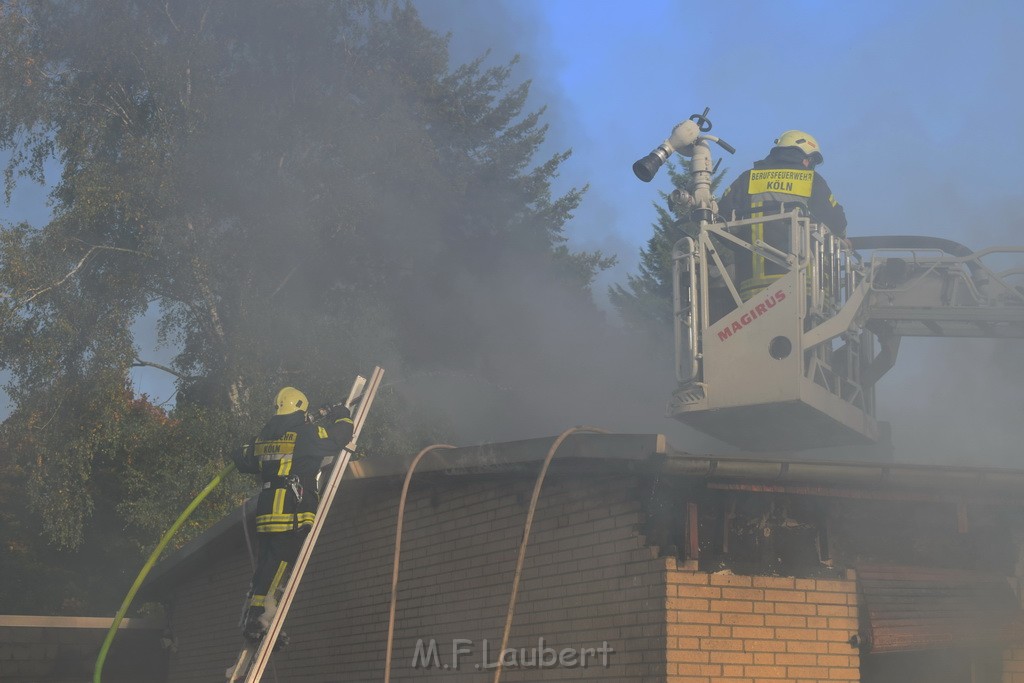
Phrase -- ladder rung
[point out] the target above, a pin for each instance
(266, 646)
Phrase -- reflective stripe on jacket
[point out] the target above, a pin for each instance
(287, 455)
(780, 180)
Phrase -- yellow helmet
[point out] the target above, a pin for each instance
(290, 400)
(807, 144)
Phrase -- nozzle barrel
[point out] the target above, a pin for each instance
(646, 168)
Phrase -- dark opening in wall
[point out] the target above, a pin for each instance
(932, 666)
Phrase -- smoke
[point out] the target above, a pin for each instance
(559, 365)
(563, 365)
(911, 103)
(957, 401)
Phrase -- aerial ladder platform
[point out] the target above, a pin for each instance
(783, 329)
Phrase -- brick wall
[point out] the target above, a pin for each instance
(57, 652)
(588, 579)
(739, 629)
(1013, 665)
(1013, 658)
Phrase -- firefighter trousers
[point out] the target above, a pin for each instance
(277, 553)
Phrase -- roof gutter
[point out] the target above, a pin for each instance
(875, 475)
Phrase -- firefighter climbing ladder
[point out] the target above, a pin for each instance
(253, 659)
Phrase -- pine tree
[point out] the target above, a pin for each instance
(645, 303)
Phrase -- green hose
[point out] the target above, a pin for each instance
(149, 565)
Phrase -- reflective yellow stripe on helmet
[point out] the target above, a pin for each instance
(805, 142)
(290, 400)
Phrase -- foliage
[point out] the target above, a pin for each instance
(299, 190)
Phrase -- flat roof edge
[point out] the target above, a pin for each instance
(491, 458)
(100, 623)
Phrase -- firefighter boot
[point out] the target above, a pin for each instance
(257, 621)
(253, 628)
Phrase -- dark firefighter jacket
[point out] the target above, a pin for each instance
(287, 455)
(780, 178)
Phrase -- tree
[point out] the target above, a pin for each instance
(299, 189)
(645, 303)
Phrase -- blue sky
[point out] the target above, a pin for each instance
(907, 99)
(917, 106)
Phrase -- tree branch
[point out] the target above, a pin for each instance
(36, 293)
(139, 363)
(201, 279)
(283, 282)
(167, 11)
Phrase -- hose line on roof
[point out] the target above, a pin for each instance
(398, 550)
(149, 565)
(526, 539)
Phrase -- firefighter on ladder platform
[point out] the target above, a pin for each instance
(287, 456)
(783, 180)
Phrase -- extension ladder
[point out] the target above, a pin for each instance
(253, 659)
